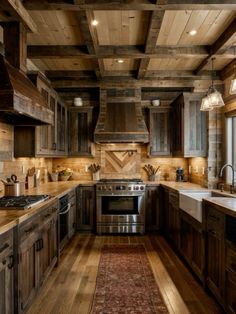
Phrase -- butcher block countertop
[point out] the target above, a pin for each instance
(10, 218)
(226, 205)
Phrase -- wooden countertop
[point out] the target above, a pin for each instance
(227, 205)
(10, 218)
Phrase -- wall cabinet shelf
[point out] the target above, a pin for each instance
(189, 126)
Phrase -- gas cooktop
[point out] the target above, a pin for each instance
(21, 202)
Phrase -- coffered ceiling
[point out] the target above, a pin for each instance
(152, 38)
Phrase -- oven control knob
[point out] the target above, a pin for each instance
(99, 188)
(129, 188)
(110, 188)
(141, 187)
(137, 188)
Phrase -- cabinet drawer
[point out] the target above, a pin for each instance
(28, 228)
(6, 243)
(231, 259)
(174, 199)
(48, 212)
(215, 222)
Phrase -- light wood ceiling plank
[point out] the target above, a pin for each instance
(113, 65)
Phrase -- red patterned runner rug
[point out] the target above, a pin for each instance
(125, 282)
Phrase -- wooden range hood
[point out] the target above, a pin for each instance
(20, 101)
(121, 122)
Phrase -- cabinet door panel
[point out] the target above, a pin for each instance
(86, 208)
(152, 208)
(159, 127)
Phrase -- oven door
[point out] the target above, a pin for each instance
(120, 208)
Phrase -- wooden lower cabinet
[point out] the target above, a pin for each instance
(85, 198)
(38, 252)
(152, 208)
(6, 273)
(215, 251)
(72, 214)
(191, 243)
(173, 218)
(230, 277)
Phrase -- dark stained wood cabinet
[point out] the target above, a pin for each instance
(164, 209)
(173, 219)
(159, 128)
(80, 131)
(38, 252)
(6, 273)
(85, 199)
(188, 126)
(152, 208)
(72, 214)
(45, 140)
(191, 243)
(215, 251)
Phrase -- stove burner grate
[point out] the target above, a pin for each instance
(21, 202)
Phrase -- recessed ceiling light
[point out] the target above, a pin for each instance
(94, 22)
(120, 61)
(192, 32)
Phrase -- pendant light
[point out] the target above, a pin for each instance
(232, 89)
(213, 99)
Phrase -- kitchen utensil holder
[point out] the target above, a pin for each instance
(96, 176)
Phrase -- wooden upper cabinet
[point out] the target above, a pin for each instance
(45, 140)
(189, 126)
(80, 131)
(159, 128)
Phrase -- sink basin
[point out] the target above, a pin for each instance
(191, 202)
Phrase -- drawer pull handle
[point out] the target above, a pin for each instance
(213, 232)
(11, 263)
(4, 247)
(27, 231)
(214, 217)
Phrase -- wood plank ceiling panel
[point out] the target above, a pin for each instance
(63, 64)
(113, 65)
(55, 28)
(209, 25)
(174, 63)
(121, 27)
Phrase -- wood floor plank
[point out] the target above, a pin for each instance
(71, 285)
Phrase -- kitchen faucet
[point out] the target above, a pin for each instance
(221, 174)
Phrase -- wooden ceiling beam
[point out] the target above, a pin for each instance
(127, 5)
(167, 75)
(229, 70)
(90, 39)
(219, 44)
(153, 32)
(129, 52)
(129, 82)
(13, 10)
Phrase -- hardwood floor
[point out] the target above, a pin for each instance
(70, 287)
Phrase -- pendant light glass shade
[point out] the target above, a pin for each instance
(213, 99)
(232, 89)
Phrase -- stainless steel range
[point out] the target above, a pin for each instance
(120, 206)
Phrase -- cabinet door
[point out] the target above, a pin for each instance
(86, 208)
(215, 252)
(152, 208)
(174, 218)
(185, 243)
(230, 292)
(80, 131)
(198, 251)
(177, 130)
(6, 274)
(72, 216)
(27, 271)
(61, 129)
(159, 127)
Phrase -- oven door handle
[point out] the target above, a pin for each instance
(67, 209)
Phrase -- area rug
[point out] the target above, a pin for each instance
(125, 282)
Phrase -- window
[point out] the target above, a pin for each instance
(231, 146)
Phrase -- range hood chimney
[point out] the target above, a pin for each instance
(20, 101)
(120, 122)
